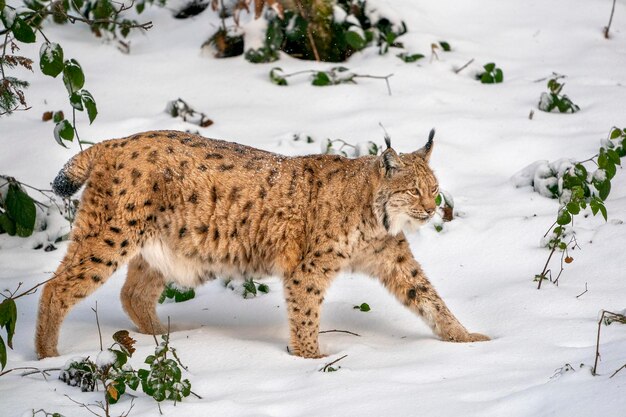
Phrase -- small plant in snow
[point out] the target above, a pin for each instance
(409, 58)
(577, 190)
(333, 76)
(177, 293)
(434, 47)
(364, 307)
(341, 147)
(445, 210)
(163, 381)
(554, 101)
(251, 288)
(110, 370)
(179, 108)
(491, 75)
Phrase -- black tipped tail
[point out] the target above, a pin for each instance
(63, 186)
(74, 173)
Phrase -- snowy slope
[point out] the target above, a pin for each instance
(482, 264)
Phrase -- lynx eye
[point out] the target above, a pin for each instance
(414, 192)
(435, 190)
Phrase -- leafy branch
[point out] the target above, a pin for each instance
(578, 189)
(333, 76)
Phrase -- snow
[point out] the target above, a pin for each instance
(105, 358)
(483, 265)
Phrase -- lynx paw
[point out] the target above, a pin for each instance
(478, 337)
(468, 337)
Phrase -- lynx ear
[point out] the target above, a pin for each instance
(425, 151)
(390, 162)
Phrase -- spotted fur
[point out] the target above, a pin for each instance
(182, 208)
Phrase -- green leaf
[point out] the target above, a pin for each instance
(489, 67)
(445, 46)
(58, 116)
(90, 105)
(613, 156)
(564, 218)
(22, 31)
(603, 211)
(249, 287)
(604, 188)
(76, 101)
(355, 40)
(597, 206)
(321, 79)
(438, 199)
(363, 307)
(573, 208)
(580, 171)
(63, 131)
(2, 4)
(610, 169)
(8, 318)
(7, 224)
(277, 78)
(51, 59)
(181, 296)
(263, 288)
(73, 76)
(486, 78)
(3, 354)
(615, 133)
(499, 76)
(21, 208)
(409, 58)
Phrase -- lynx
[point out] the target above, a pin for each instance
(182, 208)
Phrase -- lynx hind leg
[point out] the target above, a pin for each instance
(89, 262)
(140, 294)
(304, 293)
(403, 277)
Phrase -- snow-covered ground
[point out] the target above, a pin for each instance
(482, 264)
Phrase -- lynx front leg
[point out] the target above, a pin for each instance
(395, 266)
(140, 294)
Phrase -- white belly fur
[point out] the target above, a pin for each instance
(174, 267)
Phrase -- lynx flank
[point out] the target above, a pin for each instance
(183, 208)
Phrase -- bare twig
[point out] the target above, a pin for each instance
(378, 77)
(456, 71)
(83, 405)
(95, 310)
(583, 291)
(44, 372)
(340, 331)
(328, 365)
(619, 317)
(32, 370)
(619, 369)
(608, 27)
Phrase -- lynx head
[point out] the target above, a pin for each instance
(406, 198)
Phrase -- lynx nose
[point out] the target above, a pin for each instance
(430, 211)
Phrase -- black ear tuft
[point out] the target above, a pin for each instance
(390, 162)
(431, 136)
(427, 149)
(387, 137)
(387, 141)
